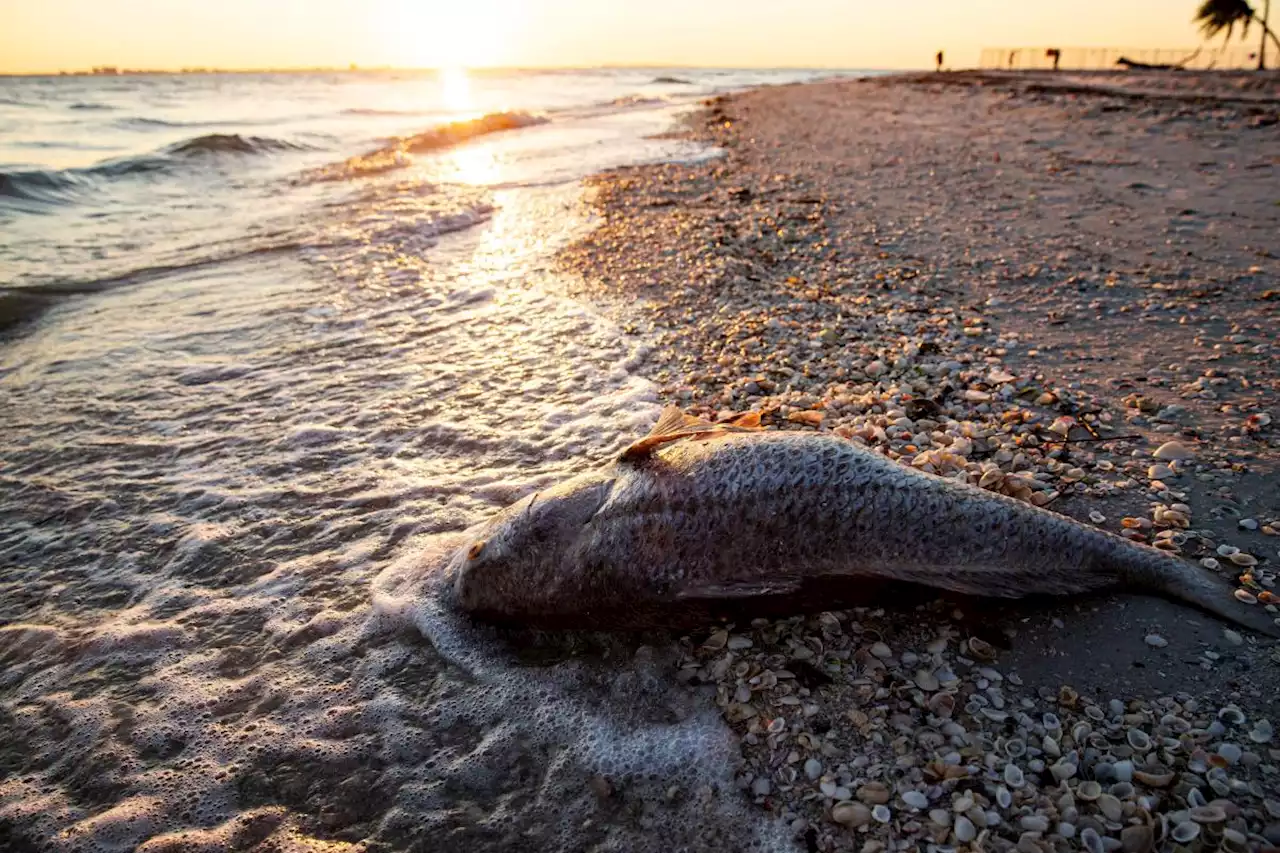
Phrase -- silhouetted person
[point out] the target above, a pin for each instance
(939, 60)
(1055, 54)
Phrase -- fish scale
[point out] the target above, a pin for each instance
(719, 516)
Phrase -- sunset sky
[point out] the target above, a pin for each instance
(52, 35)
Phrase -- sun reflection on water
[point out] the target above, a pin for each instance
(455, 87)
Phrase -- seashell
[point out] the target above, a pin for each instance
(942, 817)
(1051, 723)
(1139, 740)
(1111, 807)
(717, 640)
(1137, 839)
(1063, 769)
(1220, 786)
(1233, 841)
(1091, 841)
(981, 649)
(881, 814)
(1230, 752)
(927, 681)
(1095, 713)
(850, 813)
(1004, 799)
(1080, 731)
(1272, 807)
(1195, 798)
(1123, 790)
(1172, 450)
(1013, 776)
(1034, 823)
(1261, 732)
(1208, 814)
(1123, 771)
(1051, 747)
(1089, 790)
(964, 830)
(915, 799)
(1154, 776)
(1185, 832)
(1068, 696)
(1015, 747)
(942, 704)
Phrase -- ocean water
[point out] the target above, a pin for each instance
(271, 341)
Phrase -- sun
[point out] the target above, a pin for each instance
(451, 33)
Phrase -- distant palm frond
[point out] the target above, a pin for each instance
(1214, 16)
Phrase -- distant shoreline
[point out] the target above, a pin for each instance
(393, 69)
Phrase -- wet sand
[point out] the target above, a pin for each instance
(1029, 281)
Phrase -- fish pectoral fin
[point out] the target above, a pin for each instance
(740, 589)
(674, 425)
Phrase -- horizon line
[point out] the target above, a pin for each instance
(122, 71)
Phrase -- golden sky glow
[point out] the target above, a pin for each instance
(50, 35)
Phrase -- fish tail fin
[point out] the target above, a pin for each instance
(1148, 568)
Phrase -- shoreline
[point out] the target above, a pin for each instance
(982, 279)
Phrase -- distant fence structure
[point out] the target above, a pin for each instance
(1102, 58)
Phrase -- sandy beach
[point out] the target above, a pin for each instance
(1060, 287)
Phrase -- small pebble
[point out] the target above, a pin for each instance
(1155, 641)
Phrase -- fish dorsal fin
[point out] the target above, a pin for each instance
(673, 421)
(675, 425)
(746, 420)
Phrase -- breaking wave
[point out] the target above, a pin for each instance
(232, 143)
(395, 154)
(25, 188)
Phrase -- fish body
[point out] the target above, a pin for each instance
(701, 514)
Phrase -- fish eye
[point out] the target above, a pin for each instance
(476, 548)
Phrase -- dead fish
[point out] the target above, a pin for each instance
(697, 513)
